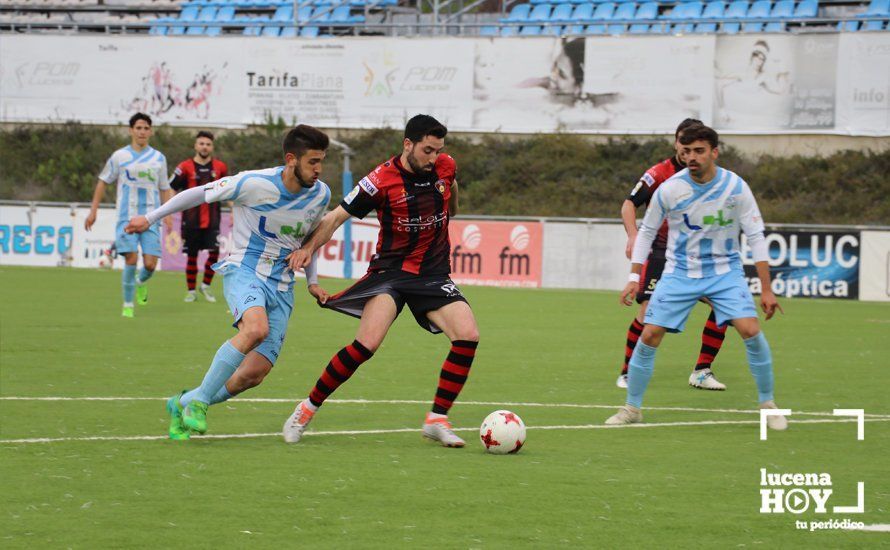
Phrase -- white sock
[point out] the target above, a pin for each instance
(435, 416)
(308, 404)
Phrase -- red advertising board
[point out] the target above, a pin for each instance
(496, 253)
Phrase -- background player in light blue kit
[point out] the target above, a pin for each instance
(273, 211)
(140, 173)
(706, 208)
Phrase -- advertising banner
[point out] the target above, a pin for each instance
(809, 264)
(496, 253)
(36, 236)
(874, 271)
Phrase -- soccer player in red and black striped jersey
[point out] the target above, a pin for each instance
(415, 195)
(713, 334)
(200, 225)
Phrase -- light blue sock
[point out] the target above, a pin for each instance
(144, 275)
(224, 363)
(222, 395)
(760, 361)
(641, 365)
(128, 281)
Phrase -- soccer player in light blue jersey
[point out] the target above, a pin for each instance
(273, 211)
(706, 208)
(140, 174)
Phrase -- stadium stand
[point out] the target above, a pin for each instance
(323, 18)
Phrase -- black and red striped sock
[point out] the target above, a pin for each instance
(191, 271)
(454, 374)
(633, 335)
(339, 369)
(212, 258)
(711, 340)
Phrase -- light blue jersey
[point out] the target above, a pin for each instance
(269, 222)
(704, 222)
(139, 178)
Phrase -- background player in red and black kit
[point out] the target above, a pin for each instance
(415, 195)
(713, 334)
(200, 225)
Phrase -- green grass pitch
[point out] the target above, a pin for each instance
(574, 485)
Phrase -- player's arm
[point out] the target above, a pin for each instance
(452, 200)
(98, 194)
(189, 198)
(751, 223)
(638, 197)
(302, 257)
(312, 281)
(643, 245)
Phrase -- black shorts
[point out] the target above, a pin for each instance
(652, 270)
(194, 240)
(422, 293)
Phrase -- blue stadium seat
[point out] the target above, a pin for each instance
(584, 11)
(530, 30)
(540, 1)
(509, 31)
(877, 7)
(574, 29)
(225, 14)
(737, 9)
(271, 31)
(682, 28)
(309, 32)
(639, 28)
(848, 26)
(752, 27)
(624, 12)
(488, 30)
(541, 12)
(604, 11)
(341, 15)
(157, 26)
(320, 14)
(562, 13)
(596, 29)
(783, 9)
(284, 13)
(760, 9)
(705, 28)
(616, 29)
(288, 32)
(730, 28)
(776, 26)
(660, 28)
(518, 13)
(807, 8)
(649, 10)
(714, 10)
(873, 26)
(255, 30)
(553, 30)
(189, 14)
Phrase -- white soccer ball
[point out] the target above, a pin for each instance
(502, 432)
(104, 262)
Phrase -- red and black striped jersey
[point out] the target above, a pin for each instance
(413, 214)
(645, 188)
(190, 174)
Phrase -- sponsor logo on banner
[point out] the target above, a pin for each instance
(39, 236)
(46, 73)
(809, 264)
(496, 253)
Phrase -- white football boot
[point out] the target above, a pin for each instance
(439, 429)
(205, 291)
(296, 423)
(190, 296)
(627, 414)
(705, 379)
(622, 381)
(774, 422)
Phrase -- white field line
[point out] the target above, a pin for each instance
(426, 402)
(416, 430)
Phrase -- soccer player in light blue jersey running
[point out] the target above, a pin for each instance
(273, 211)
(140, 174)
(706, 208)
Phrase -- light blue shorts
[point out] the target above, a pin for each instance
(149, 241)
(676, 295)
(243, 290)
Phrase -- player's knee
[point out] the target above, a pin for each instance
(253, 379)
(748, 331)
(150, 264)
(370, 343)
(468, 334)
(255, 333)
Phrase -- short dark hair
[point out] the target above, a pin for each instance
(302, 138)
(687, 122)
(421, 126)
(139, 116)
(205, 134)
(699, 132)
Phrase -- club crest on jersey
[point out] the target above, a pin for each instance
(440, 185)
(369, 187)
